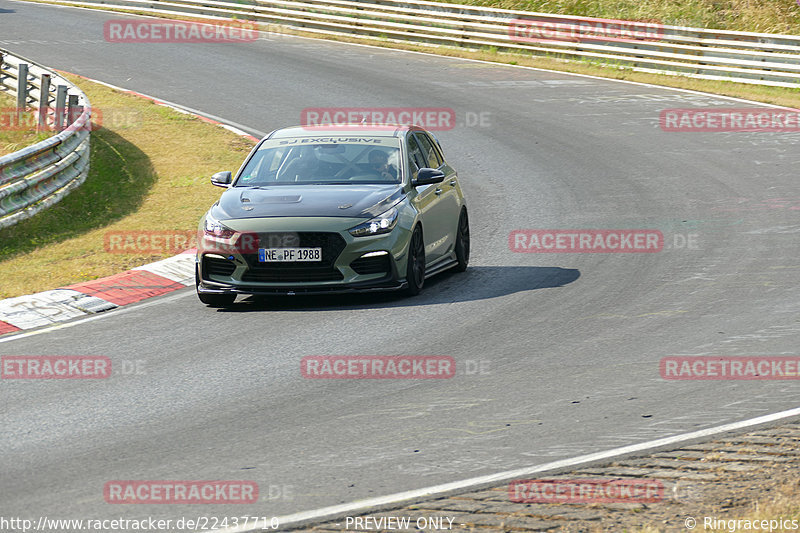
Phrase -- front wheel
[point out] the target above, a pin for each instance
(462, 242)
(415, 268)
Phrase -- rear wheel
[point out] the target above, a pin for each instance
(462, 242)
(415, 268)
(212, 300)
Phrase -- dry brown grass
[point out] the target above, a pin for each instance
(783, 505)
(162, 165)
(768, 16)
(11, 137)
(148, 172)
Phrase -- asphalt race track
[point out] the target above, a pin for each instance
(569, 344)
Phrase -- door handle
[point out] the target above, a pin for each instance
(452, 183)
(437, 192)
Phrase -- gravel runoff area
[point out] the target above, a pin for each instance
(722, 479)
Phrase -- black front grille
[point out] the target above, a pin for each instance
(284, 274)
(378, 264)
(214, 266)
(332, 245)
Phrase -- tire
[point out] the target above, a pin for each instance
(415, 267)
(462, 242)
(212, 300)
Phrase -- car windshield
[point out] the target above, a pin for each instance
(323, 161)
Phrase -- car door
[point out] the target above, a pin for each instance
(449, 204)
(428, 203)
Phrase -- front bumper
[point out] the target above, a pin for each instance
(344, 268)
(368, 286)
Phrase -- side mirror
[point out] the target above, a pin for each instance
(222, 179)
(427, 176)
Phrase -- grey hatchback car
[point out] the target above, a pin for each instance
(317, 210)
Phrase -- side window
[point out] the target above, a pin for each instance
(415, 155)
(425, 143)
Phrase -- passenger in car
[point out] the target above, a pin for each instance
(379, 162)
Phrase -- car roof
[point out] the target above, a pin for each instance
(371, 130)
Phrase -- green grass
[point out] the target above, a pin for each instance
(777, 16)
(767, 16)
(150, 172)
(12, 138)
(155, 176)
(783, 96)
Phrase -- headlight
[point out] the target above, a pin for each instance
(383, 223)
(215, 228)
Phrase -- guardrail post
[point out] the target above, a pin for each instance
(61, 106)
(45, 172)
(44, 102)
(2, 58)
(73, 109)
(22, 90)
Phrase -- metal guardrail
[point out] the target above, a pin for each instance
(755, 58)
(40, 175)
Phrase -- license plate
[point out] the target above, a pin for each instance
(287, 255)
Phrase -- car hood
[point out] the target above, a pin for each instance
(360, 201)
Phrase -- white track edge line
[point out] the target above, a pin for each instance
(318, 515)
(65, 4)
(241, 129)
(117, 311)
(433, 490)
(235, 127)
